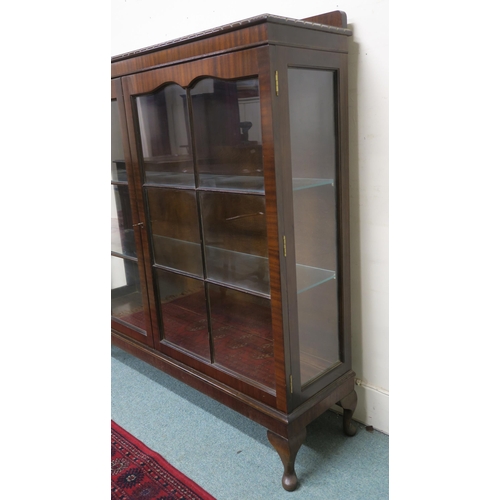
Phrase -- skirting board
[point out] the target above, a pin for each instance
(372, 408)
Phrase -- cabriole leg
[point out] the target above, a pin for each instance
(287, 450)
(349, 405)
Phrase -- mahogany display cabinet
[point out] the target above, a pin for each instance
(230, 218)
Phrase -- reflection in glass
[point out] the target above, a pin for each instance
(118, 172)
(312, 130)
(184, 312)
(235, 237)
(126, 297)
(122, 233)
(174, 226)
(242, 334)
(164, 129)
(228, 136)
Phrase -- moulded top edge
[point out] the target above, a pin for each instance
(231, 27)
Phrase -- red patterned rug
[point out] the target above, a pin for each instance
(138, 472)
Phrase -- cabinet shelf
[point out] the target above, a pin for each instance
(122, 240)
(305, 183)
(309, 277)
(173, 179)
(118, 171)
(168, 159)
(249, 183)
(246, 272)
(313, 365)
(212, 182)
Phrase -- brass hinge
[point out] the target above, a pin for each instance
(291, 384)
(276, 81)
(284, 246)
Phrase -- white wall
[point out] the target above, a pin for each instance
(138, 23)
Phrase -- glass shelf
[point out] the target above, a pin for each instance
(241, 270)
(169, 178)
(308, 277)
(211, 182)
(169, 170)
(313, 365)
(246, 272)
(118, 171)
(178, 254)
(305, 183)
(122, 240)
(168, 160)
(224, 182)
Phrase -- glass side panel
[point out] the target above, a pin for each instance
(228, 135)
(126, 297)
(173, 215)
(319, 347)
(242, 334)
(313, 148)
(235, 237)
(184, 312)
(165, 137)
(118, 172)
(122, 233)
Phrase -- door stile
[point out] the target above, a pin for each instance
(139, 193)
(117, 94)
(286, 234)
(273, 201)
(344, 214)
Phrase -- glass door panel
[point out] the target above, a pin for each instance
(126, 296)
(235, 240)
(228, 135)
(203, 186)
(173, 216)
(184, 312)
(242, 335)
(313, 154)
(165, 137)
(118, 172)
(126, 293)
(122, 232)
(319, 346)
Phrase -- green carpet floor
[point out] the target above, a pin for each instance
(229, 455)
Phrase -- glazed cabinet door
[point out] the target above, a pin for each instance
(314, 164)
(129, 299)
(201, 151)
